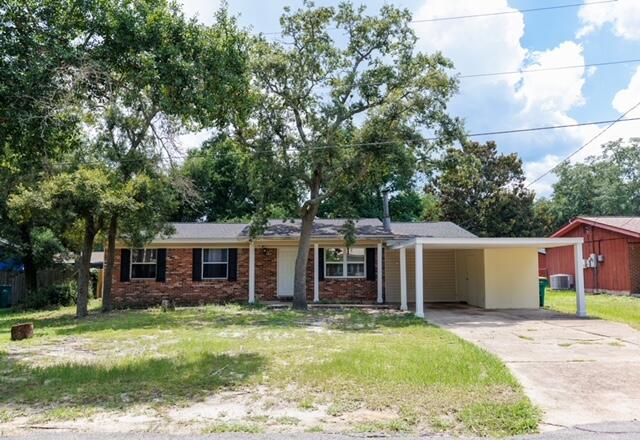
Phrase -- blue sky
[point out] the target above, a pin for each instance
(559, 37)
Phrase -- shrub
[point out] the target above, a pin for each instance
(61, 294)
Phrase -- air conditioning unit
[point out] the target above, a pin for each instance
(562, 281)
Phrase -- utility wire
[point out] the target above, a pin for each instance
(496, 13)
(513, 11)
(477, 134)
(586, 144)
(486, 133)
(547, 69)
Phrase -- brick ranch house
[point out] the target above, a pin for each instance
(392, 263)
(611, 248)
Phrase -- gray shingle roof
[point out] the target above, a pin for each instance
(207, 230)
(275, 229)
(368, 227)
(326, 228)
(429, 229)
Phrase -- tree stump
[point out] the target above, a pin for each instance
(22, 331)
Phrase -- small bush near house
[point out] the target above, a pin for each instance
(61, 294)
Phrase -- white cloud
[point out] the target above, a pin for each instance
(204, 10)
(623, 15)
(533, 170)
(477, 45)
(492, 44)
(627, 98)
(558, 90)
(624, 100)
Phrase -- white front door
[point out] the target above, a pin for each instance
(286, 270)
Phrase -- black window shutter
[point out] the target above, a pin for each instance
(125, 265)
(232, 274)
(161, 265)
(371, 263)
(197, 264)
(321, 264)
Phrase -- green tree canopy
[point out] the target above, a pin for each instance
(606, 184)
(219, 176)
(40, 42)
(483, 191)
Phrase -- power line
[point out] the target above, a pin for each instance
(586, 144)
(435, 138)
(488, 133)
(513, 11)
(546, 69)
(493, 14)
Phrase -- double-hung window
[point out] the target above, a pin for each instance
(215, 264)
(144, 263)
(344, 263)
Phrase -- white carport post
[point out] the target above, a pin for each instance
(419, 281)
(379, 272)
(252, 272)
(403, 279)
(316, 275)
(581, 307)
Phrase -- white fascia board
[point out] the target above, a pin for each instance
(483, 243)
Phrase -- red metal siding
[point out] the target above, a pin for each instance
(634, 266)
(613, 275)
(542, 265)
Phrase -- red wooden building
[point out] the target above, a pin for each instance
(542, 263)
(611, 250)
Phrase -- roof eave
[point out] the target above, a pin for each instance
(583, 221)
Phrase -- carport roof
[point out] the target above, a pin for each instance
(485, 243)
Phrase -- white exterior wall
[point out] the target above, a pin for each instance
(470, 279)
(511, 278)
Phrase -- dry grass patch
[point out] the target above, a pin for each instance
(242, 369)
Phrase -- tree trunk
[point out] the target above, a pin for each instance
(28, 259)
(84, 272)
(110, 256)
(300, 277)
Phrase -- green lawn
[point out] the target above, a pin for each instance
(614, 308)
(316, 371)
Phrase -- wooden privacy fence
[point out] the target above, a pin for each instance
(45, 277)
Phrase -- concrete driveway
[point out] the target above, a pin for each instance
(577, 370)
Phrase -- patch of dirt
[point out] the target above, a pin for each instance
(82, 350)
(271, 411)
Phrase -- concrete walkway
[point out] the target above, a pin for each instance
(577, 370)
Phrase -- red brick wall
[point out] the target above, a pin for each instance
(180, 286)
(266, 274)
(342, 290)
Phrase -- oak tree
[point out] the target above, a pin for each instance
(341, 98)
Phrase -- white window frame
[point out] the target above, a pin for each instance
(131, 263)
(202, 263)
(345, 263)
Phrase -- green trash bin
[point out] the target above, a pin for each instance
(543, 283)
(5, 296)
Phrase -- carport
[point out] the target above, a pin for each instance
(492, 273)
